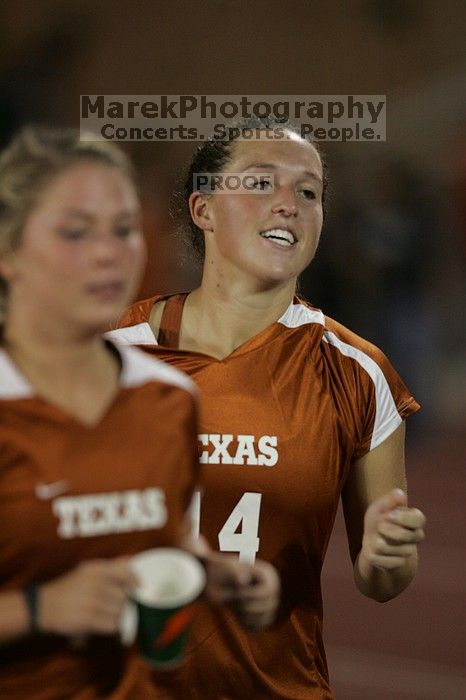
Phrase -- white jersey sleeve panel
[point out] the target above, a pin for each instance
(387, 418)
(140, 334)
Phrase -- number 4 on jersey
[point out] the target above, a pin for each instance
(240, 531)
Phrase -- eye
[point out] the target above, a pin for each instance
(308, 193)
(73, 234)
(124, 230)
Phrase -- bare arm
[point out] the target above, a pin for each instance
(383, 532)
(86, 600)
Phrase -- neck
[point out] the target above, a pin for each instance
(41, 349)
(221, 318)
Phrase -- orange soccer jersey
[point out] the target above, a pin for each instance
(282, 418)
(70, 493)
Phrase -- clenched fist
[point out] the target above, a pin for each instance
(252, 591)
(392, 531)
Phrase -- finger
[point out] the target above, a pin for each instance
(104, 622)
(116, 570)
(388, 549)
(120, 572)
(92, 619)
(399, 535)
(258, 591)
(408, 517)
(228, 571)
(395, 498)
(257, 622)
(105, 602)
(111, 602)
(264, 577)
(385, 562)
(243, 575)
(256, 607)
(221, 594)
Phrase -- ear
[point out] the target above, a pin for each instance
(200, 211)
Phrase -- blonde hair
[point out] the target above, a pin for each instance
(36, 156)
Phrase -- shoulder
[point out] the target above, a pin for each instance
(139, 323)
(332, 336)
(301, 313)
(351, 345)
(368, 379)
(345, 348)
(351, 362)
(138, 369)
(137, 313)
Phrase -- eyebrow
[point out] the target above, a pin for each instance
(271, 166)
(79, 214)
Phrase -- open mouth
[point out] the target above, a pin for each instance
(107, 290)
(281, 236)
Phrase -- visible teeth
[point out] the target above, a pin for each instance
(280, 236)
(281, 241)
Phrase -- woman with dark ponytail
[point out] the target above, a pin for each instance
(296, 412)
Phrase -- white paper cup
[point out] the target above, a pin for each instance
(170, 580)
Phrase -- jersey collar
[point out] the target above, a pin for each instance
(12, 383)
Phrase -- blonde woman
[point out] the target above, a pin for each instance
(97, 442)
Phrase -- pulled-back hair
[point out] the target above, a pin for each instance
(34, 157)
(211, 157)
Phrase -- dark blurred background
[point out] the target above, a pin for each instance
(391, 264)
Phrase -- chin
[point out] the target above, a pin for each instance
(279, 275)
(99, 322)
(279, 271)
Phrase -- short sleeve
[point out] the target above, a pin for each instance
(378, 397)
(390, 402)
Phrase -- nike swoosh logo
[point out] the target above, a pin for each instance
(45, 492)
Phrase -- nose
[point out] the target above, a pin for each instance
(107, 248)
(285, 202)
